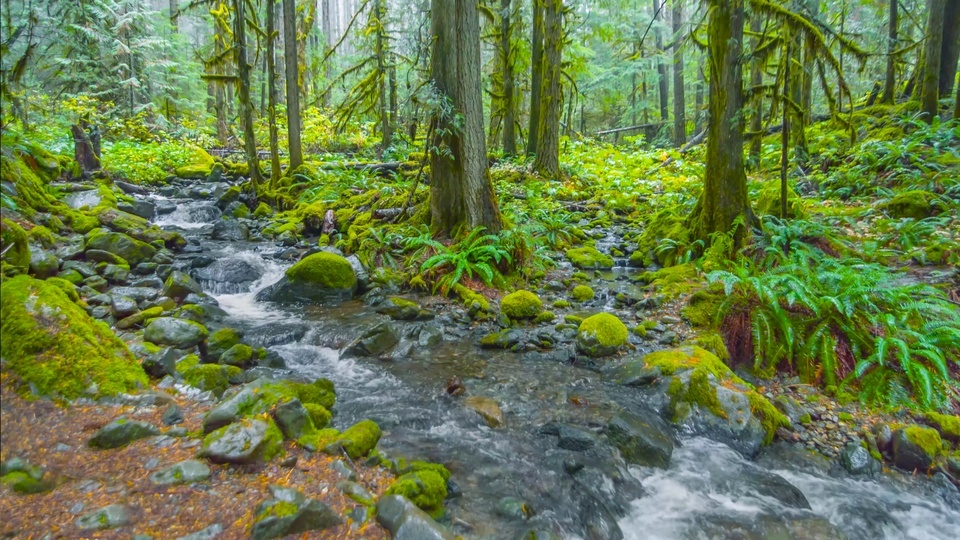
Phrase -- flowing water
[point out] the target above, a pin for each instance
(709, 490)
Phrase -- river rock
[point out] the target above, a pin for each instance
(210, 533)
(242, 442)
(140, 294)
(317, 278)
(123, 306)
(116, 274)
(292, 417)
(227, 276)
(126, 247)
(407, 522)
(179, 333)
(374, 342)
(230, 229)
(915, 447)
(487, 408)
(43, 264)
(641, 440)
(186, 472)
(108, 517)
(857, 460)
(575, 439)
(140, 207)
(164, 207)
(290, 512)
(179, 285)
(122, 432)
(246, 401)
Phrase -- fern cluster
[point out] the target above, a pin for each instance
(476, 255)
(840, 320)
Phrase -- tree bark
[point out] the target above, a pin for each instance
(84, 152)
(386, 129)
(795, 107)
(328, 41)
(930, 84)
(890, 81)
(809, 57)
(956, 103)
(536, 70)
(724, 197)
(663, 85)
(698, 101)
(679, 100)
(785, 135)
(950, 50)
(509, 112)
(461, 192)
(272, 93)
(547, 162)
(243, 72)
(174, 15)
(756, 80)
(291, 60)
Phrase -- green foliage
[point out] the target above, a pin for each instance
(152, 162)
(476, 255)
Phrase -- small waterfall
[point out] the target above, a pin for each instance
(190, 215)
(233, 297)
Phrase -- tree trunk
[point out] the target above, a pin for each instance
(795, 106)
(950, 51)
(328, 41)
(785, 134)
(663, 85)
(679, 100)
(83, 150)
(698, 101)
(809, 58)
(243, 72)
(756, 80)
(386, 130)
(930, 85)
(956, 103)
(547, 162)
(724, 197)
(536, 70)
(174, 15)
(890, 81)
(291, 60)
(509, 112)
(272, 93)
(461, 192)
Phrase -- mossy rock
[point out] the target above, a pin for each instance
(916, 204)
(57, 349)
(474, 301)
(426, 489)
(768, 202)
(196, 171)
(545, 317)
(666, 224)
(357, 441)
(321, 277)
(521, 305)
(263, 211)
(28, 482)
(582, 293)
(916, 447)
(948, 425)
(42, 235)
(319, 414)
(704, 305)
(588, 258)
(244, 442)
(674, 281)
(601, 335)
(124, 246)
(18, 256)
(561, 304)
(221, 340)
(240, 355)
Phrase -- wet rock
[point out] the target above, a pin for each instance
(430, 336)
(513, 508)
(230, 229)
(857, 460)
(123, 306)
(122, 432)
(242, 442)
(233, 408)
(129, 249)
(177, 333)
(290, 512)
(178, 285)
(636, 372)
(161, 363)
(164, 207)
(172, 415)
(43, 264)
(140, 207)
(641, 440)
(108, 517)
(487, 408)
(577, 440)
(227, 276)
(790, 407)
(915, 447)
(598, 521)
(399, 309)
(186, 472)
(292, 417)
(374, 342)
(140, 294)
(407, 522)
(115, 274)
(363, 276)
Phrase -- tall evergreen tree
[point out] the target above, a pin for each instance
(547, 161)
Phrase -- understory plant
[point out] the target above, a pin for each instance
(476, 255)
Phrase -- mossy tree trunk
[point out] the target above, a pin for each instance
(724, 197)
(698, 100)
(547, 162)
(292, 76)
(679, 100)
(243, 73)
(795, 104)
(86, 154)
(930, 83)
(386, 128)
(663, 86)
(327, 29)
(461, 192)
(756, 81)
(272, 93)
(890, 80)
(950, 49)
(956, 103)
(509, 106)
(536, 69)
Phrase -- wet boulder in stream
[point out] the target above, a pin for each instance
(318, 278)
(124, 246)
(179, 333)
(643, 441)
(178, 285)
(230, 229)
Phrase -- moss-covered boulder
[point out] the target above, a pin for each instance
(243, 442)
(357, 441)
(289, 512)
(916, 204)
(399, 309)
(425, 488)
(916, 447)
(588, 258)
(126, 247)
(179, 285)
(262, 211)
(321, 277)
(56, 348)
(521, 305)
(601, 335)
(666, 224)
(122, 432)
(16, 251)
(582, 293)
(221, 340)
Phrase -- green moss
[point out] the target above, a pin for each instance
(263, 210)
(666, 224)
(770, 418)
(425, 488)
(674, 281)
(521, 305)
(589, 258)
(212, 377)
(573, 319)
(712, 342)
(582, 293)
(639, 330)
(845, 416)
(916, 204)
(18, 256)
(357, 441)
(604, 329)
(196, 171)
(768, 201)
(68, 288)
(324, 269)
(241, 211)
(279, 509)
(468, 296)
(948, 425)
(221, 340)
(239, 355)
(561, 304)
(53, 345)
(42, 236)
(24, 483)
(704, 305)
(806, 419)
(701, 392)
(187, 362)
(672, 360)
(318, 414)
(320, 392)
(545, 317)
(318, 439)
(928, 439)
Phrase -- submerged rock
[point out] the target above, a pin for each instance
(487, 408)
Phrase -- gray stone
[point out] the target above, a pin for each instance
(407, 522)
(292, 417)
(240, 442)
(115, 274)
(374, 341)
(43, 264)
(172, 332)
(430, 336)
(209, 533)
(185, 472)
(178, 285)
(513, 508)
(140, 294)
(173, 415)
(161, 363)
(230, 229)
(642, 441)
(857, 460)
(122, 432)
(310, 515)
(343, 470)
(908, 455)
(636, 372)
(577, 440)
(123, 306)
(108, 517)
(356, 492)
